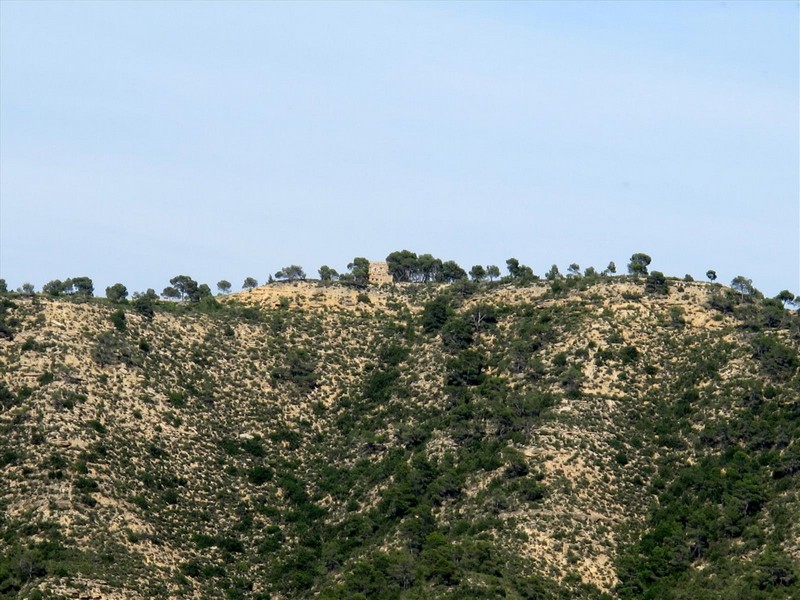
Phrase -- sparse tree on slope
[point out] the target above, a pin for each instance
(512, 264)
(117, 319)
(249, 283)
(143, 303)
(429, 268)
(291, 273)
(403, 265)
(435, 314)
(492, 272)
(525, 273)
(518, 271)
(359, 268)
(53, 288)
(327, 274)
(478, 273)
(656, 283)
(83, 286)
(743, 285)
(117, 293)
(638, 264)
(553, 273)
(186, 286)
(451, 272)
(224, 286)
(150, 294)
(711, 274)
(786, 297)
(171, 293)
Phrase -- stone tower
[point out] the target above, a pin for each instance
(379, 273)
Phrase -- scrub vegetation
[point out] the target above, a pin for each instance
(588, 435)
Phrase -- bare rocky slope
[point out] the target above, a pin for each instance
(586, 440)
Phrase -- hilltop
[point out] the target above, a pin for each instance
(584, 438)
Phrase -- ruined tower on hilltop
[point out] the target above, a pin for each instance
(379, 273)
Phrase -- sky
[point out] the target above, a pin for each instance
(142, 140)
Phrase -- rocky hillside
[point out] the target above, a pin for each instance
(590, 439)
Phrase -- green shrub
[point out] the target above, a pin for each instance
(118, 320)
(86, 484)
(777, 360)
(435, 314)
(260, 475)
(253, 446)
(177, 399)
(97, 426)
(629, 354)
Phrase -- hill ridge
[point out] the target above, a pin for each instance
(302, 439)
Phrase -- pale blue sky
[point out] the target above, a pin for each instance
(143, 140)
